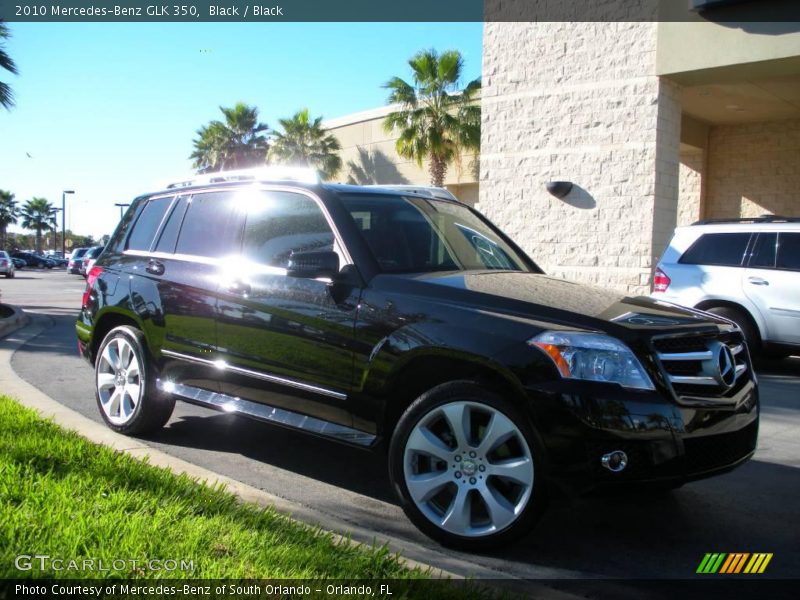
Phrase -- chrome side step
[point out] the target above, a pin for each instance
(270, 414)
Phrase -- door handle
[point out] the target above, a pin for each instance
(757, 281)
(155, 267)
(239, 287)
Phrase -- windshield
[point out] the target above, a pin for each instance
(412, 235)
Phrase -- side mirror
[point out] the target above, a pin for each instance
(313, 264)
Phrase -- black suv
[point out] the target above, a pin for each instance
(398, 319)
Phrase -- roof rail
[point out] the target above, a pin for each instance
(269, 173)
(423, 190)
(761, 219)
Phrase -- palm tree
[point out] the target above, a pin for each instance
(437, 120)
(38, 214)
(305, 142)
(6, 96)
(235, 143)
(9, 211)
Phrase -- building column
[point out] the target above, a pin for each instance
(580, 102)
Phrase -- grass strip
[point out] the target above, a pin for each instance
(63, 496)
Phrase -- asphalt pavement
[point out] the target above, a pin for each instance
(656, 536)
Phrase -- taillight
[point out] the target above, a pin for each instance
(660, 281)
(91, 277)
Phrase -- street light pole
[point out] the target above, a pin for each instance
(64, 221)
(122, 207)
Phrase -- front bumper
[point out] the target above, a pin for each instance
(663, 442)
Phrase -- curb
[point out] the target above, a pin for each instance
(16, 321)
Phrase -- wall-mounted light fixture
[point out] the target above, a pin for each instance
(559, 189)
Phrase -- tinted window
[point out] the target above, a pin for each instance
(409, 234)
(211, 226)
(723, 249)
(789, 251)
(763, 255)
(141, 238)
(169, 233)
(279, 223)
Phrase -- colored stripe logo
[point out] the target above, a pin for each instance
(734, 563)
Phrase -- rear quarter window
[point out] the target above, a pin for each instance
(146, 226)
(720, 249)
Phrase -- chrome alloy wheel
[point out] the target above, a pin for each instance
(119, 381)
(468, 469)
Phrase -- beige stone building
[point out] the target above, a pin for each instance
(369, 156)
(654, 123)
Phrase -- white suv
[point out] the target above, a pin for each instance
(746, 270)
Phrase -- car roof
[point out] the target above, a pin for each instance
(299, 177)
(771, 225)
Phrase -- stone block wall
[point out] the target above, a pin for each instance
(690, 185)
(580, 102)
(754, 169)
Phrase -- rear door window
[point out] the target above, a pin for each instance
(763, 255)
(146, 226)
(720, 249)
(211, 226)
(788, 251)
(280, 223)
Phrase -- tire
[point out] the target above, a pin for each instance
(9, 275)
(125, 387)
(742, 319)
(476, 500)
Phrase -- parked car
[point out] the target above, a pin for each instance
(34, 260)
(7, 267)
(76, 260)
(18, 263)
(403, 322)
(88, 260)
(746, 270)
(56, 257)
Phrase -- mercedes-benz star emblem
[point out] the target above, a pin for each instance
(726, 366)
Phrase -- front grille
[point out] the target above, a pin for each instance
(716, 451)
(704, 366)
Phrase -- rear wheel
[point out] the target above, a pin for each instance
(125, 385)
(465, 465)
(750, 332)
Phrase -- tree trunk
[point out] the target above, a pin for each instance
(438, 169)
(2, 237)
(38, 241)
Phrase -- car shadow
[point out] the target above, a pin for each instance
(324, 460)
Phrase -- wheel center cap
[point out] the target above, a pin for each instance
(120, 378)
(469, 467)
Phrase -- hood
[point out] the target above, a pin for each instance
(553, 300)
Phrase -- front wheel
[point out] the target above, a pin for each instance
(125, 385)
(466, 466)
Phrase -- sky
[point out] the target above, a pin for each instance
(110, 109)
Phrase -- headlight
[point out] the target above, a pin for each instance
(593, 357)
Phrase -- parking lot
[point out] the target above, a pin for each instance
(753, 509)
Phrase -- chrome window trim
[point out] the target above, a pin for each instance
(223, 366)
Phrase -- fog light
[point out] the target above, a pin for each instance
(614, 461)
